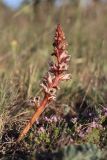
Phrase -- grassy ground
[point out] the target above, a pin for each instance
(76, 124)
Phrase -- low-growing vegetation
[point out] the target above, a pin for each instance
(74, 126)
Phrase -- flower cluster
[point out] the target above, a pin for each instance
(57, 69)
(51, 119)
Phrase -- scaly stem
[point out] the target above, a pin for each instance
(34, 118)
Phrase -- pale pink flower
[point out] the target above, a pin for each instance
(41, 129)
(54, 119)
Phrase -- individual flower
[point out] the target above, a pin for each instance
(54, 118)
(74, 120)
(41, 129)
(81, 134)
(104, 111)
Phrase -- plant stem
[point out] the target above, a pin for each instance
(33, 119)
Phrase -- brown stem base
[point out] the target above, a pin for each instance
(33, 119)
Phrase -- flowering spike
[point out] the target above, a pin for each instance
(56, 74)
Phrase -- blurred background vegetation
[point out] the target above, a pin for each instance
(26, 37)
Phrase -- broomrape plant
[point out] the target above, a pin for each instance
(56, 74)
